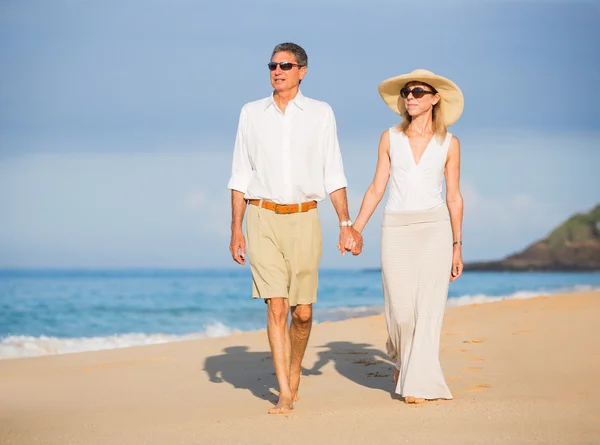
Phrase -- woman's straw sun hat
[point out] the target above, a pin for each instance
(451, 96)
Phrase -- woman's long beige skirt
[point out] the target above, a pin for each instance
(416, 259)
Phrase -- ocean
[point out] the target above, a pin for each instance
(47, 312)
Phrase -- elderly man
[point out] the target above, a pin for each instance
(286, 159)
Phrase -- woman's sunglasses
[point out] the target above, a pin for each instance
(285, 66)
(417, 92)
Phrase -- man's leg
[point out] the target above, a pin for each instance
(299, 333)
(279, 340)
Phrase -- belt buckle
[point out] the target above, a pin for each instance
(278, 206)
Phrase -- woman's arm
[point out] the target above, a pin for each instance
(377, 188)
(454, 201)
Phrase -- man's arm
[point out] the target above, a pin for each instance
(237, 246)
(340, 204)
(241, 175)
(335, 183)
(349, 237)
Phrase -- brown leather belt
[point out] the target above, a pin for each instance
(284, 208)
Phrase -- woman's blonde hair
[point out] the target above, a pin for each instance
(439, 127)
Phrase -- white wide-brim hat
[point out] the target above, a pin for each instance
(451, 96)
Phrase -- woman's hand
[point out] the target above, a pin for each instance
(357, 249)
(457, 263)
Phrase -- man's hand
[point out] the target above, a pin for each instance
(237, 247)
(350, 240)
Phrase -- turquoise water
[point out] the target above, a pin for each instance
(49, 312)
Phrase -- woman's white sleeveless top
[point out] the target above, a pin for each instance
(415, 186)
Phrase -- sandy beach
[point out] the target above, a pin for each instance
(521, 371)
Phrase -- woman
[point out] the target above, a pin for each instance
(421, 246)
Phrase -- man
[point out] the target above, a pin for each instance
(286, 159)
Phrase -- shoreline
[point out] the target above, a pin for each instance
(48, 346)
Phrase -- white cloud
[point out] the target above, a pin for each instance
(173, 209)
(194, 201)
(212, 212)
(518, 211)
(111, 210)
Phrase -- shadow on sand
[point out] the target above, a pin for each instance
(253, 371)
(242, 369)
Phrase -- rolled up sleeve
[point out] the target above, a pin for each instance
(333, 167)
(241, 168)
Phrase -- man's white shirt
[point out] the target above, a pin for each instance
(289, 157)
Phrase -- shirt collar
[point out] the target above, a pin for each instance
(298, 101)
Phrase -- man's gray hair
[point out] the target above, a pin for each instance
(296, 50)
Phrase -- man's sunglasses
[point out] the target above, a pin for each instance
(285, 66)
(417, 92)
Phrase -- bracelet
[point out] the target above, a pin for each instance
(457, 242)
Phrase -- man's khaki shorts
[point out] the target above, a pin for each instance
(284, 251)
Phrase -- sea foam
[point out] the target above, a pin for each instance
(16, 346)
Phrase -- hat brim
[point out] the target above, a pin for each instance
(451, 96)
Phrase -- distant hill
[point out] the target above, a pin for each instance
(572, 246)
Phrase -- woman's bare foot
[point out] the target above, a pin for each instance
(284, 405)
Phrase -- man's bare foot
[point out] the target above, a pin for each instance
(284, 405)
(415, 400)
(294, 386)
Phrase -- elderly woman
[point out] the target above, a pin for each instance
(421, 234)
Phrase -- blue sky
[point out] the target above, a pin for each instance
(118, 118)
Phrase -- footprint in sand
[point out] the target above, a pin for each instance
(124, 363)
(366, 362)
(480, 387)
(474, 340)
(455, 324)
(377, 374)
(472, 368)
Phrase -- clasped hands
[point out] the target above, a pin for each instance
(350, 241)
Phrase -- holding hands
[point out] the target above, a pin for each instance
(350, 241)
